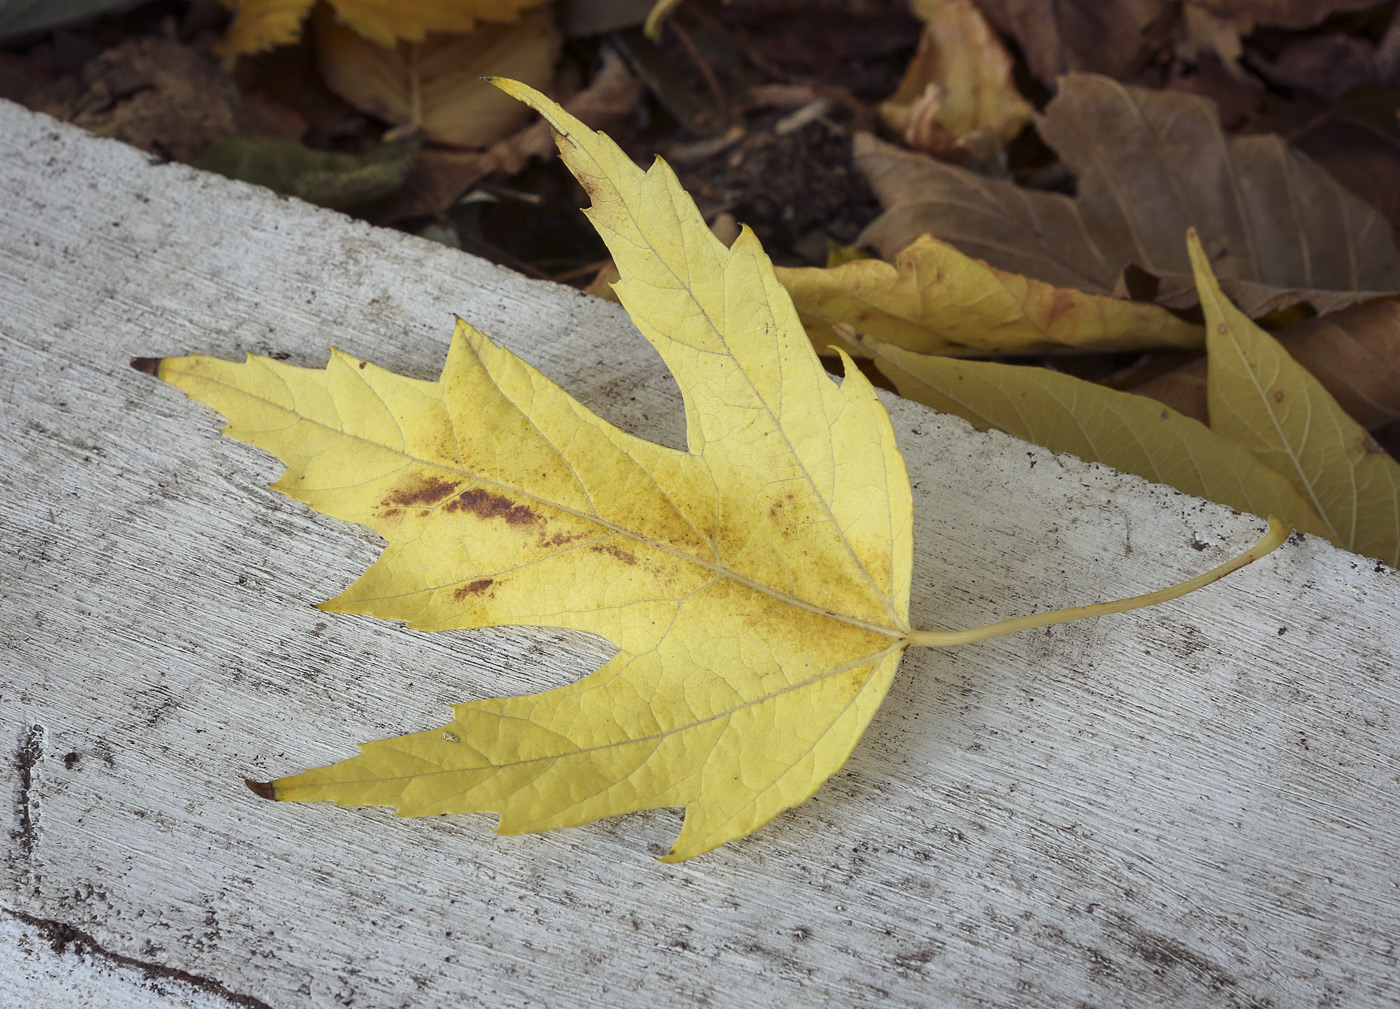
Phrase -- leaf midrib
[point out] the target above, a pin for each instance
(872, 658)
(1283, 440)
(714, 567)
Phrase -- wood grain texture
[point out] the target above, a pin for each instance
(1191, 805)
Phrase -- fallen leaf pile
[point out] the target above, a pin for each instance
(1147, 166)
(984, 267)
(756, 584)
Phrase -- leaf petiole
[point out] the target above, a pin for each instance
(1273, 539)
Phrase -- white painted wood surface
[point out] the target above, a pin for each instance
(1192, 805)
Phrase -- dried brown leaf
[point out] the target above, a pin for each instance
(441, 177)
(1149, 165)
(1358, 141)
(1059, 37)
(153, 93)
(437, 84)
(1282, 13)
(1120, 37)
(1327, 65)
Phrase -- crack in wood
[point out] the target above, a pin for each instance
(27, 757)
(61, 936)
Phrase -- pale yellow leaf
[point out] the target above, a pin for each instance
(1067, 414)
(437, 84)
(959, 81)
(1354, 353)
(1263, 399)
(260, 25)
(935, 300)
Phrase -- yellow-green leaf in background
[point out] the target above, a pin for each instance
(1354, 353)
(1067, 414)
(1269, 403)
(756, 584)
(935, 300)
(260, 25)
(327, 178)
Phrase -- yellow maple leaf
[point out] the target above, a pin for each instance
(260, 25)
(1262, 398)
(756, 584)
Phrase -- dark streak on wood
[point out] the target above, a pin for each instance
(61, 936)
(31, 751)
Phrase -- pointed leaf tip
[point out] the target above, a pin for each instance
(262, 789)
(147, 365)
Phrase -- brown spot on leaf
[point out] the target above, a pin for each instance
(390, 513)
(625, 556)
(1370, 446)
(1278, 395)
(475, 588)
(262, 789)
(362, 365)
(1062, 302)
(147, 365)
(493, 506)
(425, 491)
(558, 539)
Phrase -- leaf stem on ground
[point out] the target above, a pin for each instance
(1273, 539)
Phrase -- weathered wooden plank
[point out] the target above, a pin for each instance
(1191, 805)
